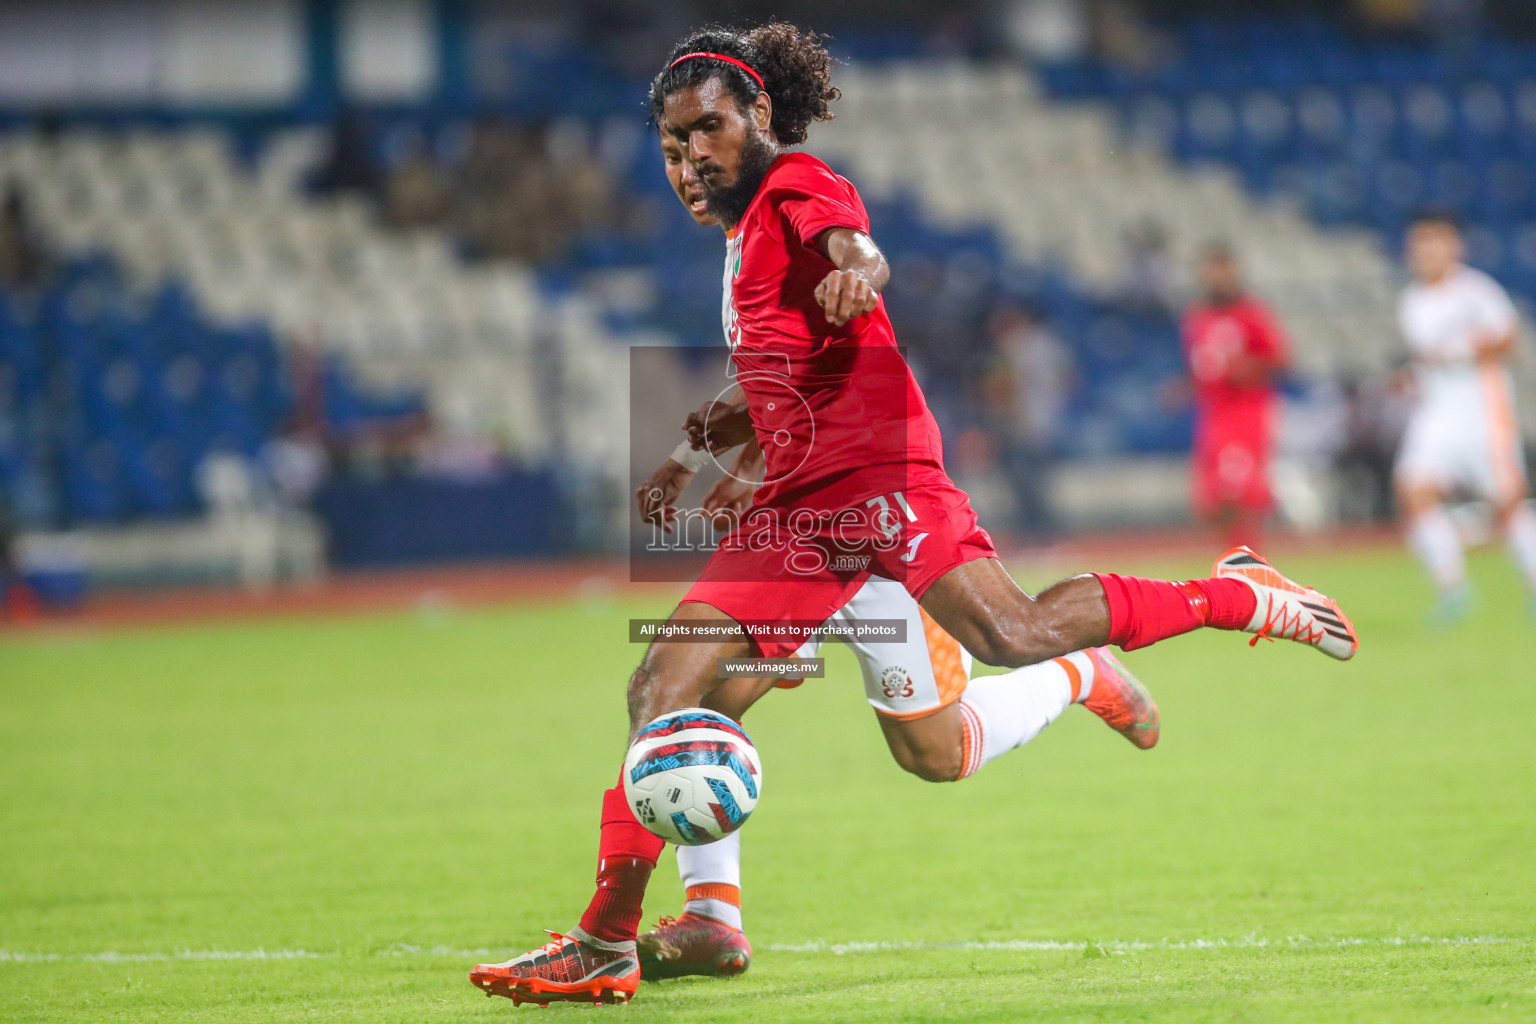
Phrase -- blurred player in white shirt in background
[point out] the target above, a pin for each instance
(1463, 437)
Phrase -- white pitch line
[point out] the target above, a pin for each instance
(1138, 945)
(184, 954)
(835, 948)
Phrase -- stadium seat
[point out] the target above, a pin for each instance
(1380, 126)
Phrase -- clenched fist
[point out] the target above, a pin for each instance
(846, 294)
(718, 426)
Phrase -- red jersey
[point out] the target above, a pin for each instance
(843, 427)
(1213, 336)
(836, 409)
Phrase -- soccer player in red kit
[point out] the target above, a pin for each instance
(913, 686)
(854, 482)
(1235, 350)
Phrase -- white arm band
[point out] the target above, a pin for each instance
(691, 459)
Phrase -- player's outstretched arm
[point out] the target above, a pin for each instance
(717, 426)
(853, 289)
(656, 497)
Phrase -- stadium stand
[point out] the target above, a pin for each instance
(1065, 187)
(113, 398)
(215, 239)
(1356, 132)
(185, 277)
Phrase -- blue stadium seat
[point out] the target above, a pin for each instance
(92, 483)
(1365, 130)
(108, 400)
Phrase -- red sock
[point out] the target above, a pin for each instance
(1230, 604)
(1143, 611)
(626, 854)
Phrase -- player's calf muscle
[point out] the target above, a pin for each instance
(932, 765)
(1069, 616)
(981, 606)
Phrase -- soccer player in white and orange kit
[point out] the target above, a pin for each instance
(1463, 436)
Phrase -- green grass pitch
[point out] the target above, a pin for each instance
(376, 803)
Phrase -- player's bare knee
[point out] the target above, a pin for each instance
(1028, 633)
(986, 644)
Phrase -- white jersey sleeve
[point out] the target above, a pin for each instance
(1443, 323)
(1496, 313)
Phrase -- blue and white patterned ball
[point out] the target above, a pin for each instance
(692, 776)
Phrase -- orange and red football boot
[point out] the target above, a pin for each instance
(693, 944)
(574, 968)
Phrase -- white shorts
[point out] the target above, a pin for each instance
(1472, 451)
(924, 673)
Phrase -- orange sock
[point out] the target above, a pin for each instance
(718, 900)
(1074, 678)
(715, 891)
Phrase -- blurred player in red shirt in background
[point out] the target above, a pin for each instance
(1236, 352)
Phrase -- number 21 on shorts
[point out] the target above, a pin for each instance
(890, 524)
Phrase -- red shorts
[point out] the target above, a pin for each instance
(1232, 471)
(787, 565)
(1234, 446)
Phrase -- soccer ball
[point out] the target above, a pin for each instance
(692, 776)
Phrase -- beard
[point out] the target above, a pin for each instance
(729, 202)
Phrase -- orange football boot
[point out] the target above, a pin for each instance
(1288, 610)
(574, 968)
(1119, 698)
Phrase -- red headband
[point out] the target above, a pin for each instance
(720, 56)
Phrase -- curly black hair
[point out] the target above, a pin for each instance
(794, 64)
